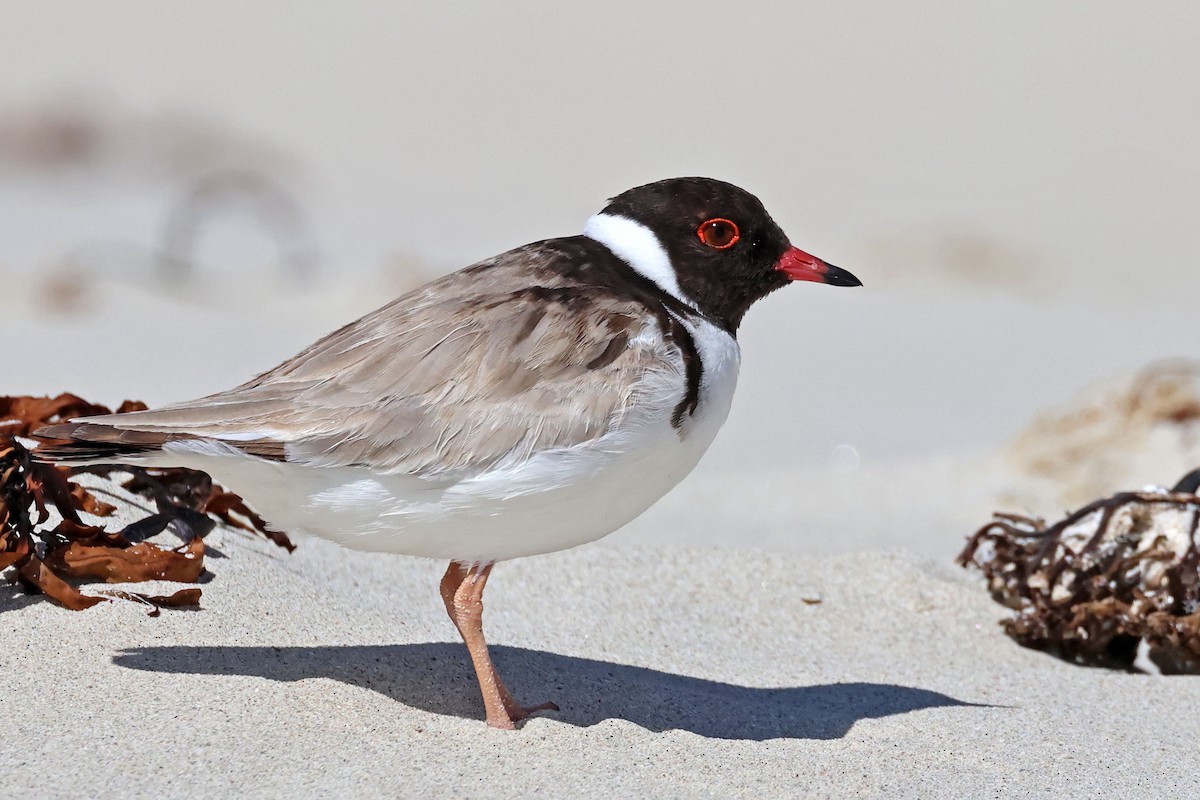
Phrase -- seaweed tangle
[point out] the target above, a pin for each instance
(46, 559)
(1114, 581)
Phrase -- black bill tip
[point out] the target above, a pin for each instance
(836, 276)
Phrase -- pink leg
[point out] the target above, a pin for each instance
(462, 592)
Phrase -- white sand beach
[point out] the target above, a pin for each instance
(681, 671)
(1017, 189)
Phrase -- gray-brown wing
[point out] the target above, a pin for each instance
(457, 375)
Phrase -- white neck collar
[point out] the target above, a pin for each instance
(637, 246)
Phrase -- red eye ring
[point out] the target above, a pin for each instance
(719, 233)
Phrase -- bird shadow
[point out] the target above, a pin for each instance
(437, 678)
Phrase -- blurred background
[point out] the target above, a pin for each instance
(191, 192)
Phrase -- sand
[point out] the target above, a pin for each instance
(787, 622)
(680, 672)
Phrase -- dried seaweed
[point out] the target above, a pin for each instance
(139, 562)
(1117, 579)
(45, 559)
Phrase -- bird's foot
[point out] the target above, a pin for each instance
(510, 713)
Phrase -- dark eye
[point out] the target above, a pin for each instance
(719, 233)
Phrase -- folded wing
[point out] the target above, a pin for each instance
(473, 368)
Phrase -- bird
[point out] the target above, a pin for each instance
(526, 404)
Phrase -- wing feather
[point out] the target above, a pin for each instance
(474, 368)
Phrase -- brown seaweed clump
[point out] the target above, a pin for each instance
(1114, 584)
(46, 559)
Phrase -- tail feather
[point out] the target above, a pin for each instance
(83, 442)
(87, 443)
